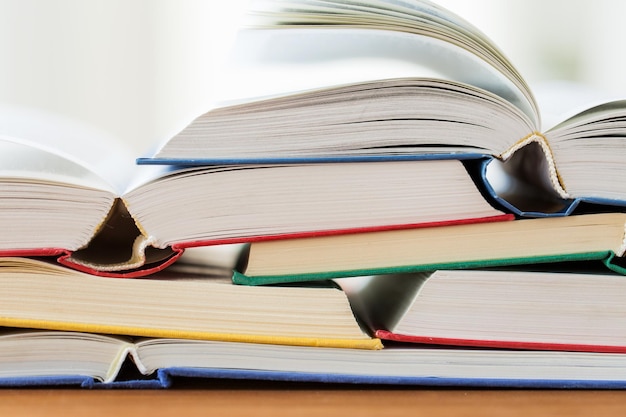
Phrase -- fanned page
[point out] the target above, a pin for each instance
(25, 160)
(292, 51)
(417, 33)
(300, 47)
(560, 100)
(274, 62)
(80, 144)
(407, 118)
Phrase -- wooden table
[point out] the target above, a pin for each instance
(222, 399)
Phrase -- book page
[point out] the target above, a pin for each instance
(62, 138)
(25, 161)
(273, 62)
(61, 354)
(381, 301)
(561, 100)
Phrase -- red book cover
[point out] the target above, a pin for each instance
(498, 344)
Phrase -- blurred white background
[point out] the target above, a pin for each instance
(140, 69)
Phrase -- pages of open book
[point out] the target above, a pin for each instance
(415, 17)
(274, 62)
(560, 100)
(61, 147)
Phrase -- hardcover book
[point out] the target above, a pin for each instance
(181, 302)
(370, 80)
(597, 237)
(58, 206)
(92, 360)
(507, 308)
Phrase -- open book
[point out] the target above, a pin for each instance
(182, 302)
(394, 79)
(65, 358)
(514, 309)
(55, 203)
(597, 237)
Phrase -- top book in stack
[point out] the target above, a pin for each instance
(388, 80)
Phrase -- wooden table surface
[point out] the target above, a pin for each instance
(248, 399)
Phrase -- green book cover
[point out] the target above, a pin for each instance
(608, 258)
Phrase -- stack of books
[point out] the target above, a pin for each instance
(392, 213)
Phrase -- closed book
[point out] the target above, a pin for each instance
(582, 237)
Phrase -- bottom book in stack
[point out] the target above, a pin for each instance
(90, 360)
(499, 328)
